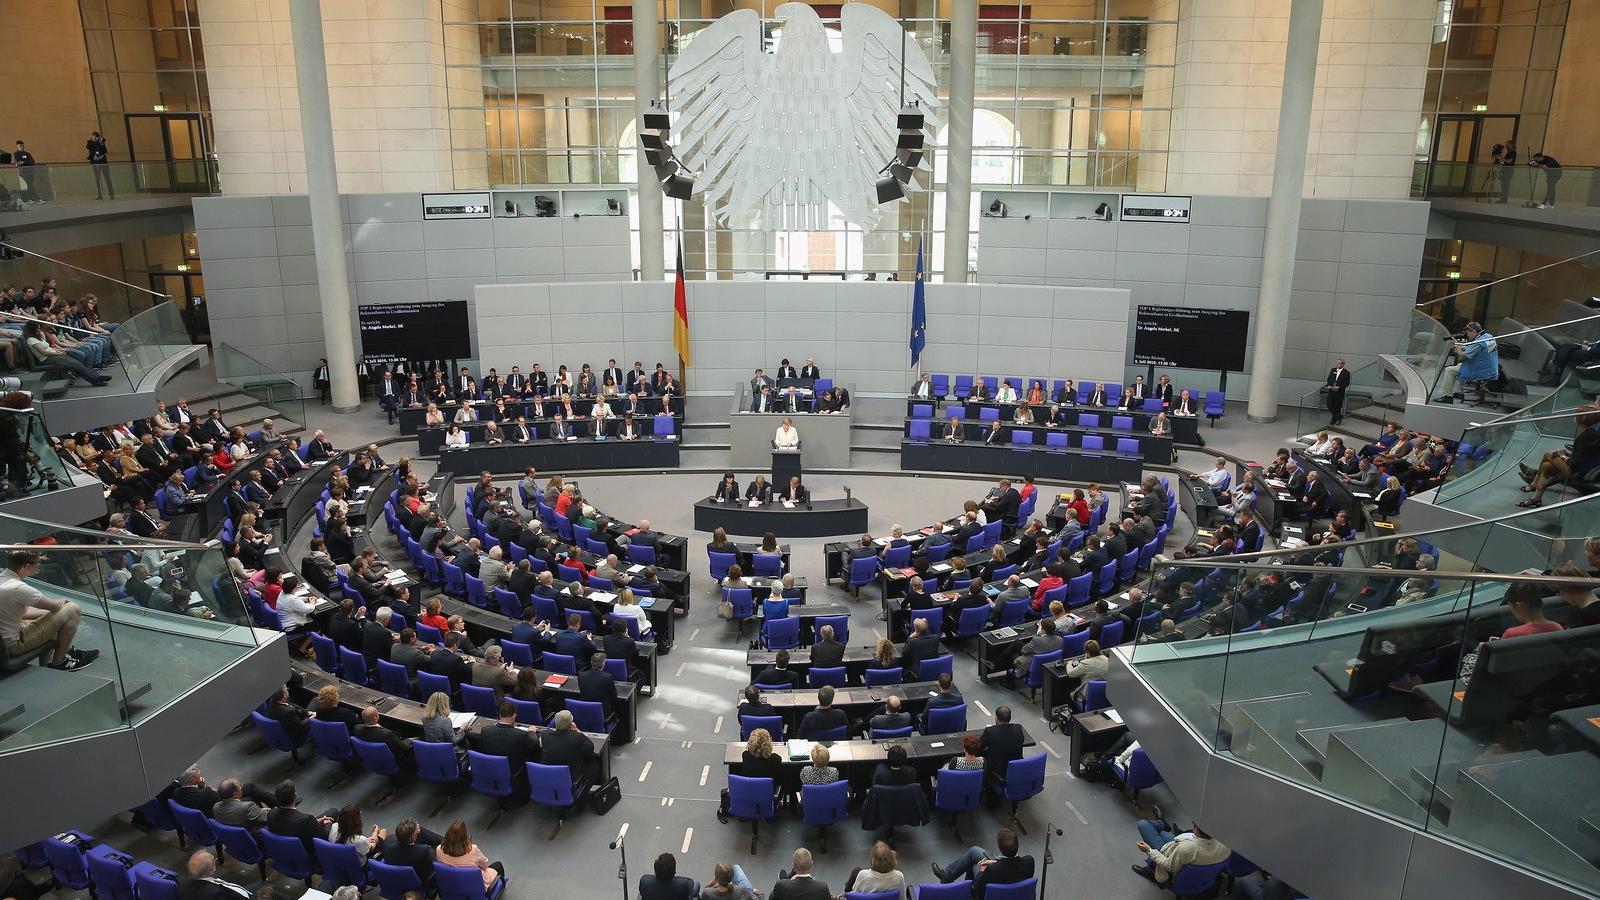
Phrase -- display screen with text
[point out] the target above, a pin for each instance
(1176, 337)
(433, 329)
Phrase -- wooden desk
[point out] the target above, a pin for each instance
(1091, 732)
(855, 760)
(856, 661)
(857, 702)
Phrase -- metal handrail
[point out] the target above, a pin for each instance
(1479, 287)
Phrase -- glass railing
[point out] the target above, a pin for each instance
(28, 461)
(1522, 185)
(150, 338)
(77, 355)
(267, 386)
(1400, 690)
(1487, 477)
(1373, 394)
(1543, 295)
(110, 181)
(164, 617)
(1521, 354)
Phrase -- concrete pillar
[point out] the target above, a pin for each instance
(327, 222)
(646, 89)
(1283, 210)
(958, 147)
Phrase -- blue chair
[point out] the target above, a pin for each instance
(1126, 564)
(665, 426)
(1018, 890)
(605, 585)
(1111, 635)
(553, 786)
(517, 654)
(1216, 404)
(192, 824)
(1056, 440)
(1024, 778)
(1105, 580)
(918, 430)
(930, 668)
(880, 677)
(465, 883)
(67, 863)
(773, 725)
(955, 890)
(863, 571)
(1072, 644)
(956, 791)
(1139, 774)
(946, 719)
(1057, 593)
(429, 684)
(841, 627)
(934, 616)
(277, 737)
(1035, 677)
(781, 634)
(240, 844)
(974, 620)
(341, 864)
(327, 653)
(592, 716)
(1021, 437)
(1094, 442)
(455, 580)
(768, 565)
(559, 663)
(821, 675)
(642, 554)
(394, 882)
(941, 385)
(988, 414)
(481, 700)
(879, 734)
(509, 604)
(110, 873)
(155, 883)
(529, 712)
(288, 856)
(1015, 612)
(1196, 881)
(353, 666)
(1122, 423)
(751, 800)
(822, 805)
(491, 776)
(394, 679)
(874, 895)
(379, 760)
(331, 740)
(720, 563)
(1094, 697)
(963, 385)
(437, 763)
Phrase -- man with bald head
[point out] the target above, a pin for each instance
(797, 884)
(203, 883)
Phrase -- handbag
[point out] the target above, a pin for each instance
(725, 609)
(607, 795)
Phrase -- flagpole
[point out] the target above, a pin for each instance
(683, 376)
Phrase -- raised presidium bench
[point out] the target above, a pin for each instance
(1087, 437)
(484, 625)
(1067, 464)
(412, 419)
(956, 392)
(817, 518)
(565, 456)
(404, 715)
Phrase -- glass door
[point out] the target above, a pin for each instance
(172, 150)
(183, 287)
(1463, 151)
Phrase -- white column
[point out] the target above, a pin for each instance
(1283, 210)
(647, 88)
(322, 181)
(958, 147)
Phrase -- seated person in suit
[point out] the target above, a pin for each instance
(894, 771)
(412, 846)
(984, 868)
(285, 819)
(1002, 742)
(779, 674)
(565, 745)
(948, 695)
(795, 492)
(919, 646)
(727, 490)
(825, 717)
(754, 704)
(759, 490)
(827, 652)
(369, 730)
(203, 883)
(665, 883)
(1044, 641)
(994, 435)
(954, 431)
(890, 716)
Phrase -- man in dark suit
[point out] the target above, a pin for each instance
(984, 869)
(1002, 504)
(824, 717)
(968, 529)
(763, 401)
(1295, 479)
(1133, 397)
(795, 492)
(665, 883)
(995, 435)
(1114, 543)
(799, 885)
(573, 641)
(516, 382)
(827, 652)
(288, 821)
(644, 536)
(778, 674)
(506, 738)
(786, 372)
(1338, 382)
(565, 745)
(292, 716)
(1103, 616)
(595, 684)
(1094, 556)
(203, 883)
(617, 644)
(409, 652)
(755, 704)
(376, 638)
(949, 695)
(538, 382)
(1001, 743)
(194, 793)
(1097, 397)
(1249, 531)
(920, 646)
(370, 730)
(406, 847)
(890, 716)
(450, 662)
(810, 370)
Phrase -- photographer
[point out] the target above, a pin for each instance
(1480, 362)
(1505, 160)
(1552, 177)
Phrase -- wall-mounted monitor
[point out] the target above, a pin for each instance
(1176, 337)
(433, 329)
(1155, 208)
(459, 205)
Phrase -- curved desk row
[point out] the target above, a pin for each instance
(430, 440)
(412, 418)
(818, 518)
(560, 456)
(1185, 429)
(1106, 467)
(1156, 450)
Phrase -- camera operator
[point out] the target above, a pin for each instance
(1480, 362)
(1552, 177)
(1505, 158)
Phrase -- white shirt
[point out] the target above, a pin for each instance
(632, 612)
(1215, 477)
(458, 439)
(294, 610)
(601, 411)
(16, 597)
(786, 438)
(1321, 448)
(1008, 394)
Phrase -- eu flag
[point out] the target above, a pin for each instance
(919, 314)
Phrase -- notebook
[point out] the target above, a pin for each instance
(799, 749)
(552, 681)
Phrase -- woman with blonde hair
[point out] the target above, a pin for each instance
(627, 606)
(885, 656)
(881, 874)
(819, 772)
(433, 415)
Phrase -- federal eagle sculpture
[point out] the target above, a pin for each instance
(791, 131)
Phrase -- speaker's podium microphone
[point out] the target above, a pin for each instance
(847, 497)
